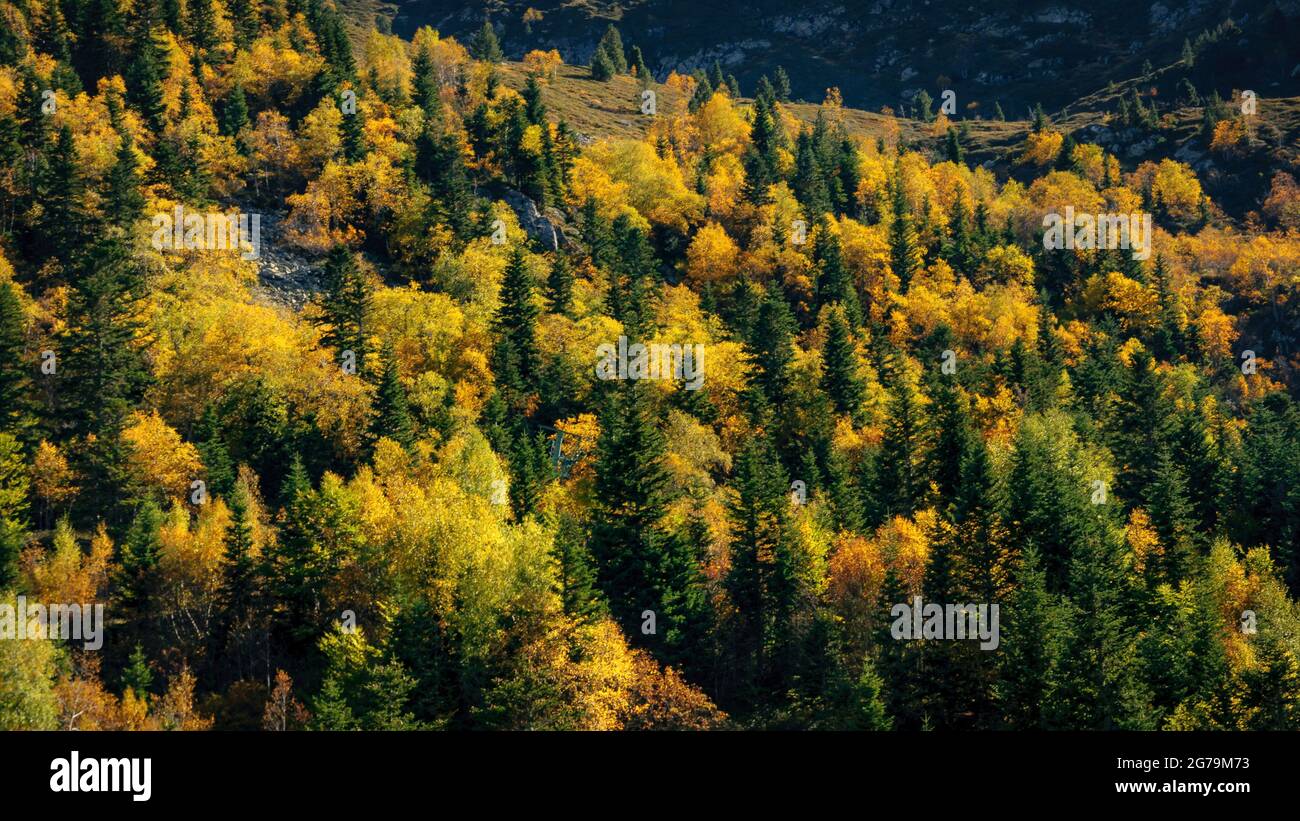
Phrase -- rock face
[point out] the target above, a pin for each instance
(546, 229)
(286, 276)
(1016, 53)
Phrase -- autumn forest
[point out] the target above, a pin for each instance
(357, 381)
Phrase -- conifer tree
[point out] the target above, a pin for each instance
(840, 377)
(628, 541)
(15, 379)
(124, 204)
(214, 454)
(612, 43)
(762, 580)
(638, 66)
(901, 484)
(238, 594)
(485, 45)
(781, 81)
(345, 307)
(559, 285)
(905, 252)
(834, 282)
(516, 361)
(392, 418)
(602, 66)
(64, 223)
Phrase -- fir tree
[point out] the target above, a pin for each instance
(345, 307)
(559, 285)
(516, 361)
(781, 81)
(392, 418)
(485, 46)
(612, 44)
(840, 377)
(905, 252)
(602, 66)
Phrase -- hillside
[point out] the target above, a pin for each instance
(598, 110)
(880, 53)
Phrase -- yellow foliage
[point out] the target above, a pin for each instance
(158, 458)
(1042, 148)
(712, 256)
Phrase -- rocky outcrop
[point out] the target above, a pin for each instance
(545, 228)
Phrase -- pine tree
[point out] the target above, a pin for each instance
(516, 360)
(392, 418)
(559, 285)
(602, 66)
(612, 43)
(781, 81)
(905, 252)
(485, 45)
(840, 378)
(15, 380)
(345, 307)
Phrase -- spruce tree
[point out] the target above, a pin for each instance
(612, 43)
(123, 202)
(392, 417)
(485, 45)
(638, 66)
(781, 81)
(516, 361)
(15, 378)
(602, 66)
(345, 307)
(761, 582)
(559, 285)
(840, 378)
(834, 282)
(905, 252)
(214, 454)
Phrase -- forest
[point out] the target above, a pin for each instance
(401, 493)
